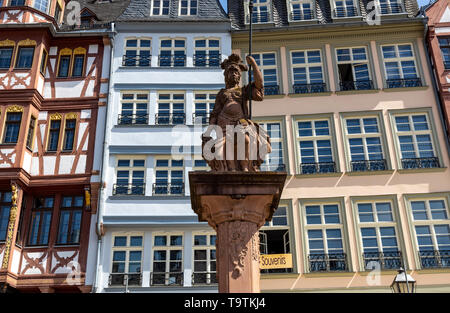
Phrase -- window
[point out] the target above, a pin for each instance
(207, 52)
(353, 67)
(274, 161)
(172, 52)
(69, 134)
(301, 10)
(43, 62)
(12, 127)
(365, 146)
(160, 7)
(345, 8)
(274, 237)
(390, 6)
(324, 231)
(204, 259)
(127, 253)
(5, 206)
(25, 57)
(444, 44)
(53, 135)
(130, 177)
(5, 57)
(167, 260)
(17, 3)
(400, 66)
(30, 135)
(267, 63)
(378, 235)
(169, 177)
(70, 220)
(261, 11)
(307, 71)
(170, 109)
(134, 109)
(137, 52)
(188, 7)
(432, 230)
(58, 11)
(199, 164)
(78, 65)
(315, 148)
(414, 139)
(203, 106)
(41, 217)
(64, 63)
(41, 5)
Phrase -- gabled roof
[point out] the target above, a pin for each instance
(104, 11)
(323, 11)
(207, 10)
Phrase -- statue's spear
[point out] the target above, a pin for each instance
(250, 7)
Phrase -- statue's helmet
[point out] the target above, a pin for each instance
(235, 61)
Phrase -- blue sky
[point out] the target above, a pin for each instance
(224, 4)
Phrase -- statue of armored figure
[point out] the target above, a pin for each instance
(240, 144)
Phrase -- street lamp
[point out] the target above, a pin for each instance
(403, 283)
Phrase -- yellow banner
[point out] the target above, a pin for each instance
(270, 261)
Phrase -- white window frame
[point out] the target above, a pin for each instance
(167, 248)
(172, 50)
(307, 65)
(209, 102)
(263, 124)
(209, 248)
(257, 9)
(292, 11)
(171, 101)
(127, 249)
(389, 6)
(131, 168)
(160, 8)
(37, 4)
(135, 101)
(169, 170)
(207, 49)
(138, 48)
(355, 5)
(260, 61)
(354, 62)
(399, 59)
(188, 8)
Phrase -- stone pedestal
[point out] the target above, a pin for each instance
(236, 205)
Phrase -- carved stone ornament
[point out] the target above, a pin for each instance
(55, 116)
(238, 246)
(71, 116)
(11, 224)
(7, 43)
(14, 109)
(27, 42)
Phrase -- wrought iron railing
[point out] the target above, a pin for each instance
(309, 88)
(168, 189)
(356, 85)
(318, 168)
(262, 17)
(273, 167)
(125, 279)
(385, 260)
(212, 60)
(403, 82)
(435, 258)
(271, 90)
(176, 60)
(412, 163)
(349, 11)
(204, 278)
(133, 119)
(137, 60)
(170, 118)
(166, 278)
(332, 262)
(302, 16)
(393, 8)
(369, 165)
(200, 117)
(129, 189)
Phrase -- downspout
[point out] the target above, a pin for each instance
(435, 84)
(99, 229)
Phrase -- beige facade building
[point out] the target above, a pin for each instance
(355, 121)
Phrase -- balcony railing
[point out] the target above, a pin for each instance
(170, 118)
(176, 60)
(273, 167)
(393, 8)
(302, 16)
(403, 82)
(369, 165)
(262, 17)
(203, 60)
(133, 119)
(200, 117)
(271, 90)
(356, 85)
(204, 278)
(125, 279)
(168, 189)
(332, 262)
(317, 168)
(309, 88)
(435, 258)
(345, 12)
(166, 279)
(385, 260)
(137, 60)
(129, 189)
(420, 163)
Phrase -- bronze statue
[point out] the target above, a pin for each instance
(241, 144)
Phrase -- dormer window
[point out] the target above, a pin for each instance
(261, 11)
(41, 5)
(188, 7)
(345, 8)
(390, 6)
(301, 10)
(160, 7)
